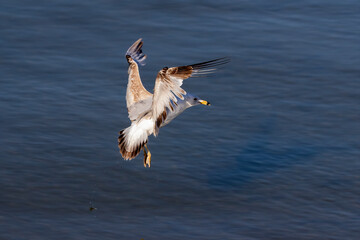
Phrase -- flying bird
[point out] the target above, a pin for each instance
(149, 112)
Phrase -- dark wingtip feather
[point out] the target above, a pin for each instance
(211, 63)
(136, 53)
(203, 69)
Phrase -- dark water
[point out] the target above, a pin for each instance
(276, 156)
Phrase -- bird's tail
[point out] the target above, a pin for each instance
(131, 140)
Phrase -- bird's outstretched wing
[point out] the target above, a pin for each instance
(138, 99)
(168, 87)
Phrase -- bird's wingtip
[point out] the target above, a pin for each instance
(135, 52)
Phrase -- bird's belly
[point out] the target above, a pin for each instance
(147, 124)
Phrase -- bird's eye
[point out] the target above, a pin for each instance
(195, 99)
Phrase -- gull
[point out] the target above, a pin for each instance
(149, 112)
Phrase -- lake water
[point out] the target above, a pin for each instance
(276, 156)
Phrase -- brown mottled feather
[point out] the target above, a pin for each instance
(185, 72)
(161, 118)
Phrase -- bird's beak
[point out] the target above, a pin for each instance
(204, 102)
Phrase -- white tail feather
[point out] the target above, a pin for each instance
(133, 138)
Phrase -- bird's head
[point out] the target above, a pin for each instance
(194, 100)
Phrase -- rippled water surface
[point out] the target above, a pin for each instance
(276, 156)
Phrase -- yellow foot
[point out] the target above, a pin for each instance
(148, 159)
(145, 157)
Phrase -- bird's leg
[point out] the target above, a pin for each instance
(145, 156)
(147, 161)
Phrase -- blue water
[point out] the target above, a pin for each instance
(276, 156)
